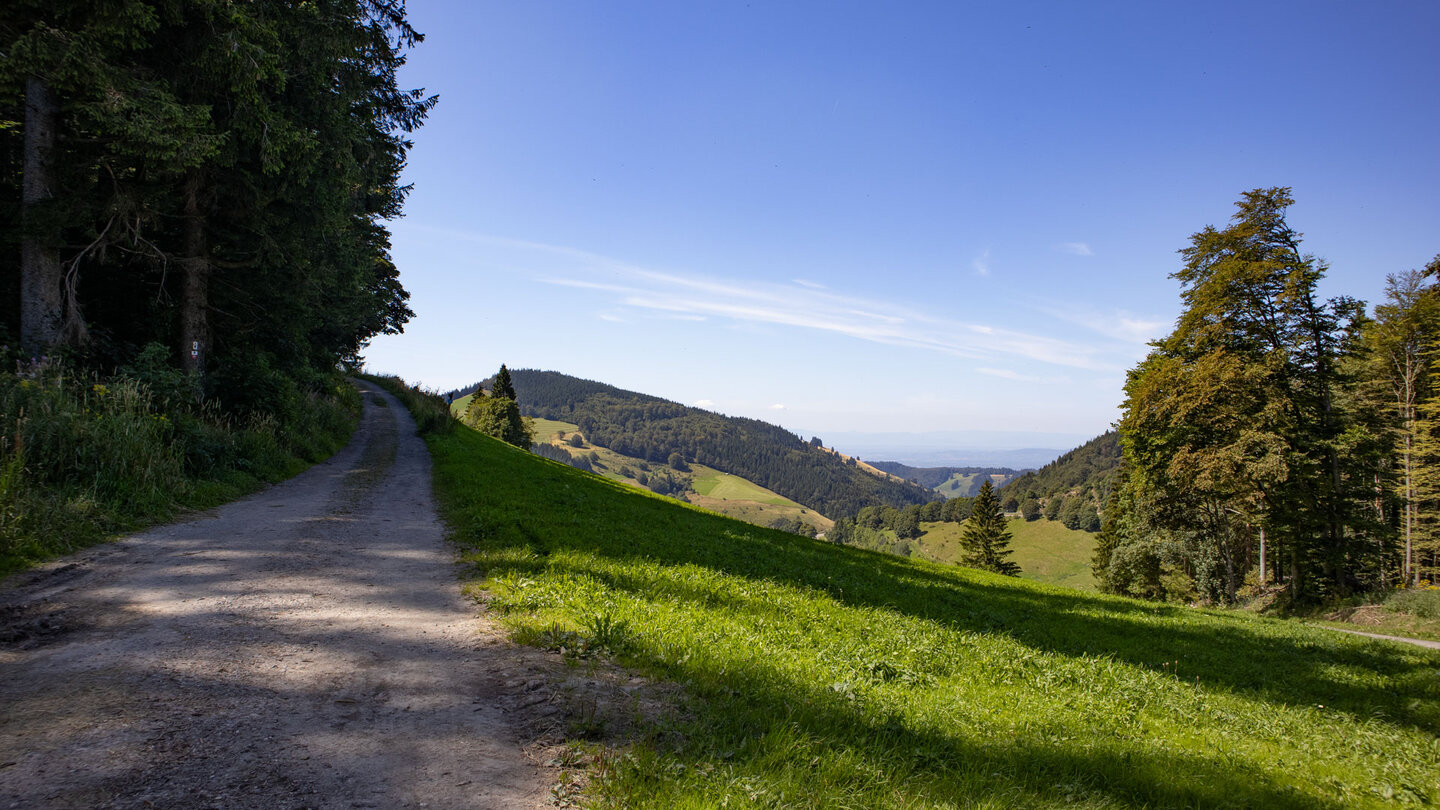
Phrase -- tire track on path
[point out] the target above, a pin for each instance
(307, 646)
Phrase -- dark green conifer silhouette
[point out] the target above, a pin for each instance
(986, 537)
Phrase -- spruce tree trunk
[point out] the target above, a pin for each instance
(41, 273)
(195, 285)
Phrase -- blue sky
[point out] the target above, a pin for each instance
(870, 218)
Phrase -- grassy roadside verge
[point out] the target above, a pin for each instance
(84, 459)
(824, 676)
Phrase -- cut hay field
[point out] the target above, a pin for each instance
(814, 675)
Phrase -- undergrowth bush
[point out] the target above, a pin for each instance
(1423, 602)
(83, 457)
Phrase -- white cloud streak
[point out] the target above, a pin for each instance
(981, 263)
(869, 320)
(1119, 325)
(1075, 248)
(797, 305)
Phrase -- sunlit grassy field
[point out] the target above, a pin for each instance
(1045, 550)
(825, 676)
(547, 429)
(715, 484)
(727, 494)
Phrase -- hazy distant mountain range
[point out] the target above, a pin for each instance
(958, 448)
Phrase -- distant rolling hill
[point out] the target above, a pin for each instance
(655, 430)
(1074, 487)
(951, 482)
(708, 488)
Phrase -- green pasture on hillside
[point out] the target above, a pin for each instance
(957, 485)
(711, 489)
(726, 487)
(547, 429)
(1045, 550)
(817, 675)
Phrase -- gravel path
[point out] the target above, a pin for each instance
(304, 647)
(1418, 642)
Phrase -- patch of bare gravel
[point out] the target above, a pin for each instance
(305, 647)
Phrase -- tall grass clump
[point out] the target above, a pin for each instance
(84, 456)
(1422, 601)
(825, 676)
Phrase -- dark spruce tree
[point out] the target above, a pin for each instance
(503, 387)
(213, 177)
(986, 536)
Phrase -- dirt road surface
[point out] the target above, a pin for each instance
(1418, 642)
(305, 647)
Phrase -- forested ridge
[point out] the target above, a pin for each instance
(1274, 439)
(932, 477)
(651, 428)
(1073, 488)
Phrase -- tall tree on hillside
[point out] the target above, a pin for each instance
(1398, 341)
(99, 127)
(499, 417)
(1425, 483)
(985, 536)
(503, 387)
(1232, 424)
(218, 177)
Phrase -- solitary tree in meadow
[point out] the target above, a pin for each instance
(986, 537)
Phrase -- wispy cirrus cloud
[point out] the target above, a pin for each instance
(1011, 374)
(628, 287)
(981, 263)
(1075, 248)
(876, 321)
(1119, 325)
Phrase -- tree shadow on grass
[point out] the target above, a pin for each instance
(527, 504)
(799, 738)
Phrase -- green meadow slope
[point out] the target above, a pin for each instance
(1045, 550)
(702, 486)
(816, 675)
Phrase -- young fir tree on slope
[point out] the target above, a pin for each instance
(497, 415)
(986, 537)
